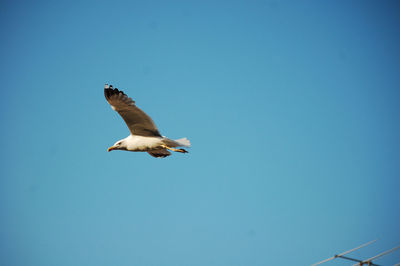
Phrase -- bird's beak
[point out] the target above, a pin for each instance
(111, 148)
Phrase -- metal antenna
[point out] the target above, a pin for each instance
(369, 261)
(346, 252)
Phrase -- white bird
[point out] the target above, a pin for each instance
(144, 133)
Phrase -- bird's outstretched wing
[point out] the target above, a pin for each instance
(138, 122)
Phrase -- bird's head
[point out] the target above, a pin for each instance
(119, 145)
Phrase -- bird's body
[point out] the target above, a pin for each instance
(145, 136)
(140, 143)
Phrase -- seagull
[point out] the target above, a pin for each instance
(144, 136)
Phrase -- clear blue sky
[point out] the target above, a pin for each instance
(292, 108)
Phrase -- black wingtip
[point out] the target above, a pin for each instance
(110, 91)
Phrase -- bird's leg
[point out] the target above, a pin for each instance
(173, 149)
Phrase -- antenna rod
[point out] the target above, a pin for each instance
(377, 256)
(344, 253)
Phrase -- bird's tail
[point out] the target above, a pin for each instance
(183, 142)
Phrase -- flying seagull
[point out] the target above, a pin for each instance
(144, 133)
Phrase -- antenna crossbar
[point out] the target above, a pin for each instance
(369, 261)
(344, 253)
(360, 262)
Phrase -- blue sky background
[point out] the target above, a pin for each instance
(292, 108)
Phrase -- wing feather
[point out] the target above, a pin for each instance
(138, 122)
(159, 153)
